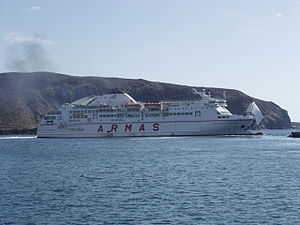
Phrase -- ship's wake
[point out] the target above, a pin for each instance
(16, 137)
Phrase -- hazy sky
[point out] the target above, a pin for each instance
(249, 45)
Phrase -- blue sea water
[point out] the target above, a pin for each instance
(185, 180)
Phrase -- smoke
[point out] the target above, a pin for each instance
(26, 54)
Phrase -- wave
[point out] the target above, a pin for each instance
(16, 137)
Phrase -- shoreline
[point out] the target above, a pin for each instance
(18, 131)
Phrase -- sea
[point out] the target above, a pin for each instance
(172, 180)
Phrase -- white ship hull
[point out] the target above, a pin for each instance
(146, 129)
(119, 115)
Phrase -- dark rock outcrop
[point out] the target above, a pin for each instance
(26, 97)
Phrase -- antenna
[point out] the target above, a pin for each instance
(224, 95)
(71, 95)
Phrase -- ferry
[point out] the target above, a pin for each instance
(117, 114)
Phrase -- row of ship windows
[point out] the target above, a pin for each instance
(180, 113)
(118, 110)
(131, 115)
(94, 111)
(108, 110)
(183, 108)
(223, 117)
(134, 115)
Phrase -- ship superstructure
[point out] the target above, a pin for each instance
(119, 115)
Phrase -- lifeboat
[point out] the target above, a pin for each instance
(132, 105)
(152, 105)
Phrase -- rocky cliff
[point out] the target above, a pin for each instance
(26, 97)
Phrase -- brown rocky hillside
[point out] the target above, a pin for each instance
(26, 97)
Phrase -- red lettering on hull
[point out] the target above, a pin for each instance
(128, 127)
(113, 128)
(156, 127)
(100, 129)
(142, 128)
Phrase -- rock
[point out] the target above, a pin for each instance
(295, 135)
(18, 131)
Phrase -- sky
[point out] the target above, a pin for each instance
(250, 45)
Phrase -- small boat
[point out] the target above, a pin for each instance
(295, 135)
